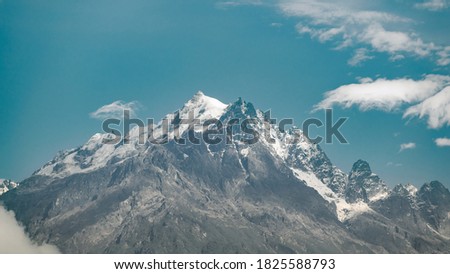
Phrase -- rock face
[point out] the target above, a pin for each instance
(280, 194)
(434, 205)
(363, 185)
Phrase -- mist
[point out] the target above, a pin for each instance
(13, 238)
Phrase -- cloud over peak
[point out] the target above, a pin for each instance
(115, 110)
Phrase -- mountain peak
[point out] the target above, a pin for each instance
(199, 94)
(433, 186)
(242, 108)
(405, 190)
(365, 185)
(203, 107)
(361, 165)
(6, 185)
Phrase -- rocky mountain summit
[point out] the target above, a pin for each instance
(6, 185)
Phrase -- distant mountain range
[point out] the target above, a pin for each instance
(6, 185)
(273, 196)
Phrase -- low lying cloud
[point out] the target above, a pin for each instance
(433, 5)
(115, 110)
(384, 94)
(407, 146)
(13, 238)
(436, 109)
(442, 142)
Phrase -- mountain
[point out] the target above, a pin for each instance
(363, 185)
(6, 185)
(261, 189)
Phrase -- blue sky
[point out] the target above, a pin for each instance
(385, 65)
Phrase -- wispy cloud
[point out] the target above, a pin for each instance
(276, 25)
(360, 56)
(115, 110)
(348, 23)
(433, 5)
(14, 240)
(407, 146)
(384, 94)
(444, 56)
(435, 108)
(442, 142)
(394, 164)
(237, 3)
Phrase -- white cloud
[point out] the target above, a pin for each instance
(349, 23)
(444, 56)
(14, 240)
(442, 142)
(231, 4)
(433, 5)
(394, 42)
(407, 146)
(394, 164)
(359, 57)
(383, 94)
(115, 110)
(436, 108)
(276, 25)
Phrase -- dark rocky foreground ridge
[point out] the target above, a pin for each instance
(268, 197)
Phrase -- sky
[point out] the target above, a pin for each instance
(383, 64)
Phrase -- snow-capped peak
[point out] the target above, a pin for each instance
(6, 185)
(203, 107)
(412, 190)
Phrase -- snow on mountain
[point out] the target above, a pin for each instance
(91, 156)
(204, 107)
(6, 185)
(407, 190)
(344, 210)
(412, 190)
